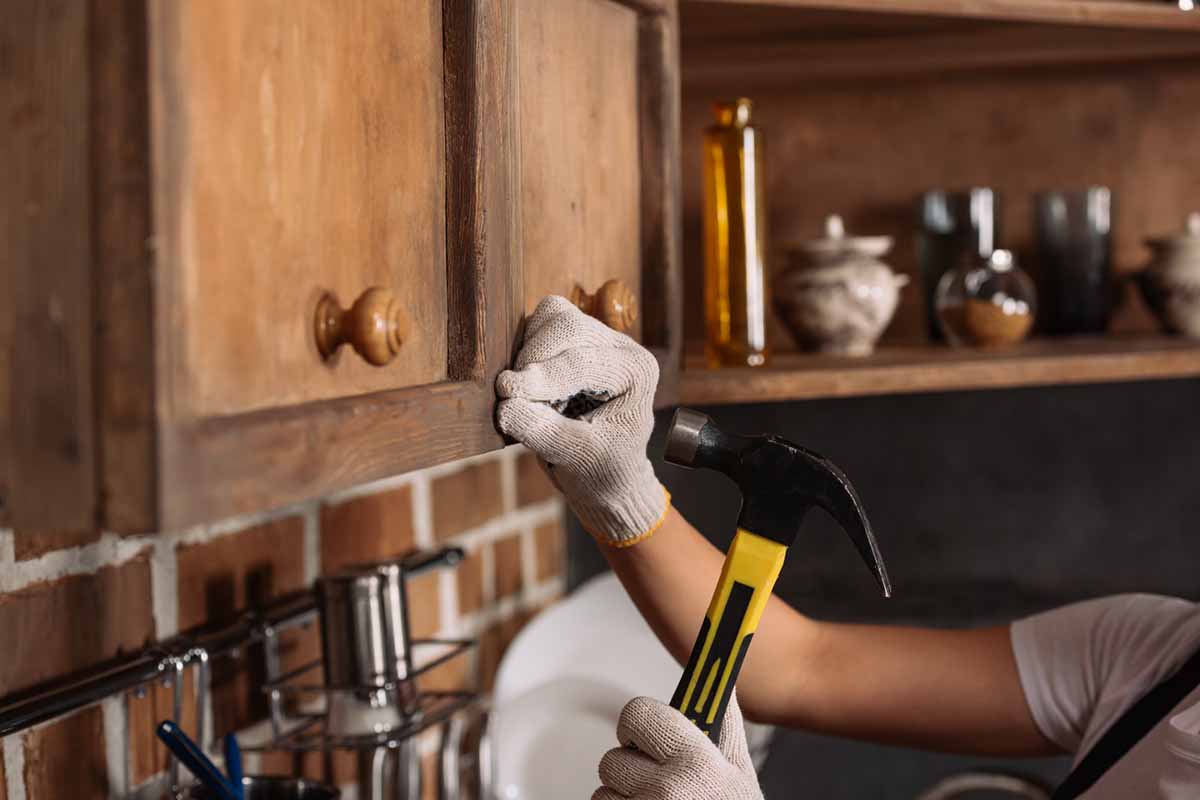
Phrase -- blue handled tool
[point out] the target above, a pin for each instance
(192, 757)
(233, 765)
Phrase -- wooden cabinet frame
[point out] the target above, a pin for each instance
(93, 438)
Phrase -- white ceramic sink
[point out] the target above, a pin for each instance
(561, 687)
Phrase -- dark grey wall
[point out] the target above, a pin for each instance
(988, 505)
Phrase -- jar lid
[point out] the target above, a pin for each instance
(836, 242)
(1190, 237)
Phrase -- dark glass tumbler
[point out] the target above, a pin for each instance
(954, 226)
(1073, 232)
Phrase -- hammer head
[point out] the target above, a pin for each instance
(780, 482)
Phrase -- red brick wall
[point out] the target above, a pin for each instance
(72, 599)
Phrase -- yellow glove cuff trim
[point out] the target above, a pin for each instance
(641, 537)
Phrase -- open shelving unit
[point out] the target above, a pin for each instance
(907, 370)
(867, 103)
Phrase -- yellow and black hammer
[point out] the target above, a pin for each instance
(780, 482)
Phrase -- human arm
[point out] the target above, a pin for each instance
(951, 690)
(948, 690)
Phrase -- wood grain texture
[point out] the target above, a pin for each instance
(868, 149)
(1108, 13)
(45, 208)
(580, 185)
(124, 266)
(482, 245)
(774, 58)
(300, 149)
(910, 370)
(224, 466)
(220, 466)
(661, 223)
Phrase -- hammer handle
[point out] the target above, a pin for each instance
(751, 568)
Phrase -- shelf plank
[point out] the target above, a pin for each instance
(1133, 14)
(728, 65)
(930, 368)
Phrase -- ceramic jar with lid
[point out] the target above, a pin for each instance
(835, 294)
(1171, 281)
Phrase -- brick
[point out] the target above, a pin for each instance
(371, 528)
(509, 576)
(219, 579)
(469, 578)
(65, 759)
(424, 605)
(148, 755)
(550, 548)
(57, 627)
(533, 485)
(31, 544)
(454, 675)
(466, 499)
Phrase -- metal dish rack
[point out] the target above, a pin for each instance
(167, 662)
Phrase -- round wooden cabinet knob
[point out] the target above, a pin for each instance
(613, 304)
(371, 326)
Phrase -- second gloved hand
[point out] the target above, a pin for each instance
(599, 461)
(673, 760)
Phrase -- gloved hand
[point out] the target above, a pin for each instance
(674, 760)
(598, 461)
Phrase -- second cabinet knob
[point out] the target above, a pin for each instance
(371, 326)
(613, 304)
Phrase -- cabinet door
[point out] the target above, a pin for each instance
(302, 155)
(312, 151)
(598, 152)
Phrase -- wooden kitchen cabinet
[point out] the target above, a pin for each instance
(202, 200)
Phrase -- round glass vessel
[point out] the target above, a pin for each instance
(989, 303)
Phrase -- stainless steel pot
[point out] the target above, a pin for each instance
(390, 773)
(269, 787)
(366, 642)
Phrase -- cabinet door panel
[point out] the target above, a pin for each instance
(302, 152)
(577, 63)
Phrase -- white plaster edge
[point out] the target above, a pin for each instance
(8, 546)
(110, 551)
(422, 512)
(312, 543)
(164, 589)
(14, 766)
(115, 715)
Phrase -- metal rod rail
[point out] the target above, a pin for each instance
(161, 660)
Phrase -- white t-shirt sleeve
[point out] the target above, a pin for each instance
(1083, 665)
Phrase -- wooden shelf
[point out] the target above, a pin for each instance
(778, 43)
(932, 368)
(1130, 14)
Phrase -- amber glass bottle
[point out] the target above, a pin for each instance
(735, 239)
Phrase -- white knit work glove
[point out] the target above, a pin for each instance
(673, 760)
(599, 460)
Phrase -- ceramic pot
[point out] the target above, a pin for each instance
(835, 294)
(1171, 281)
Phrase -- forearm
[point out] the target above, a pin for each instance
(945, 690)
